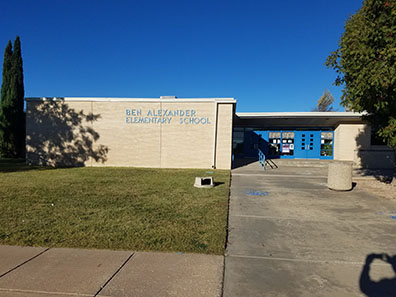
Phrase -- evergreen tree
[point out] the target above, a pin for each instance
(12, 117)
(7, 65)
(5, 91)
(20, 95)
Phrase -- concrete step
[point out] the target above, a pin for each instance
(306, 166)
(301, 162)
(284, 162)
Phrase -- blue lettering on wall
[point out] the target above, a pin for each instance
(133, 112)
(164, 116)
(194, 121)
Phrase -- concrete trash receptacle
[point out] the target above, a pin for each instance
(340, 176)
(204, 182)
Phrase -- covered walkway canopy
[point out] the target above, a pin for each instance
(274, 120)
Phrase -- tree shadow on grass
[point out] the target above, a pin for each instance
(16, 165)
(60, 136)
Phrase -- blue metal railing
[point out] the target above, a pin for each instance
(261, 158)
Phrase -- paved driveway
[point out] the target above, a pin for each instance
(291, 236)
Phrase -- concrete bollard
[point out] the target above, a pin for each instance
(340, 176)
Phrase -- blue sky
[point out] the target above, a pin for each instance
(269, 55)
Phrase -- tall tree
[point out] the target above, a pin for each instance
(325, 101)
(5, 145)
(7, 65)
(12, 117)
(20, 95)
(366, 65)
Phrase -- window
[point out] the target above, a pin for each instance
(274, 143)
(287, 143)
(237, 141)
(326, 144)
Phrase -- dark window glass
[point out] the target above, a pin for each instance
(237, 141)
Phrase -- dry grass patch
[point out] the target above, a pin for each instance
(112, 208)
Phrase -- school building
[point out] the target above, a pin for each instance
(170, 132)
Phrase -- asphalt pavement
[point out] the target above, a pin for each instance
(290, 236)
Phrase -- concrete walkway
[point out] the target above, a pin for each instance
(59, 272)
(291, 236)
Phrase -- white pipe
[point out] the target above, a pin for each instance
(214, 135)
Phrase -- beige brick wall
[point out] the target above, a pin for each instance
(347, 139)
(130, 144)
(103, 134)
(352, 143)
(224, 136)
(188, 145)
(375, 158)
(58, 133)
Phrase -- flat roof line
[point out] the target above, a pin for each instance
(311, 114)
(113, 99)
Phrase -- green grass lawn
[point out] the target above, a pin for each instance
(112, 208)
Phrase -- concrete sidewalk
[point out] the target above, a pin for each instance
(61, 272)
(289, 235)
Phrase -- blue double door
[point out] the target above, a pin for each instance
(307, 144)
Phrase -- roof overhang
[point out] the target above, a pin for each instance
(295, 119)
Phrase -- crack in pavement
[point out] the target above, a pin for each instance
(114, 274)
(23, 263)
